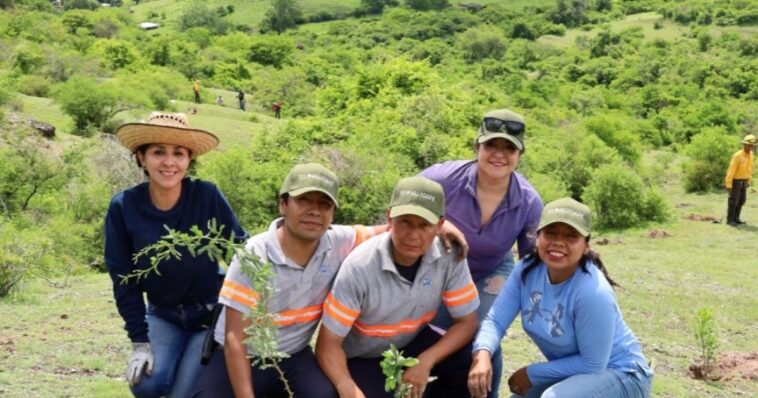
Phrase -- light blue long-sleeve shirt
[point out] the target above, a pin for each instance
(576, 324)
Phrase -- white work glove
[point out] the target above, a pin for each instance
(141, 360)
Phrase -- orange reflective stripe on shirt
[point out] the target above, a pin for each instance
(363, 233)
(339, 312)
(407, 326)
(460, 296)
(300, 315)
(239, 293)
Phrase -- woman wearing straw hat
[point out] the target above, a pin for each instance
(167, 333)
(493, 205)
(568, 308)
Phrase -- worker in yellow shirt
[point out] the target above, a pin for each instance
(738, 178)
(196, 90)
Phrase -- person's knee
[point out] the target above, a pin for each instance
(151, 386)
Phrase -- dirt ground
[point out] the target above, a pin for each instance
(729, 366)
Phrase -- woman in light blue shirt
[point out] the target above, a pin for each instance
(568, 309)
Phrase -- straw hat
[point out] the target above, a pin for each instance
(166, 128)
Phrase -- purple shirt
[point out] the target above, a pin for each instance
(515, 219)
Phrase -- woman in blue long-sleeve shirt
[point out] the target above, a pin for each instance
(569, 310)
(167, 333)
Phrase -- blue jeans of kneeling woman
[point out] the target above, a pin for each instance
(176, 339)
(488, 288)
(609, 383)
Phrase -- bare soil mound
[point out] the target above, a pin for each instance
(729, 366)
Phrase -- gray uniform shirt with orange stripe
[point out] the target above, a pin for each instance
(300, 290)
(372, 306)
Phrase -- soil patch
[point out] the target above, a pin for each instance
(706, 218)
(656, 234)
(606, 241)
(730, 365)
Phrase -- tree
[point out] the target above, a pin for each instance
(375, 6)
(480, 43)
(570, 12)
(283, 15)
(272, 51)
(91, 104)
(198, 15)
(28, 169)
(425, 5)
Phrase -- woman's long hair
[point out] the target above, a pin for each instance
(533, 259)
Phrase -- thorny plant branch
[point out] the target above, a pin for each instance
(262, 332)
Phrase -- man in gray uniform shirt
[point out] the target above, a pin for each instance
(387, 291)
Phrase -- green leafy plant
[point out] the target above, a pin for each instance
(262, 331)
(707, 340)
(393, 365)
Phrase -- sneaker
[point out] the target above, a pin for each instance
(732, 223)
(741, 222)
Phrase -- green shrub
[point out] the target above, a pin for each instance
(549, 186)
(34, 85)
(20, 252)
(706, 338)
(613, 130)
(708, 154)
(270, 50)
(86, 102)
(81, 5)
(425, 5)
(620, 199)
(481, 43)
(198, 15)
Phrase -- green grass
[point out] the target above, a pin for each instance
(252, 12)
(45, 110)
(63, 342)
(228, 122)
(69, 341)
(668, 31)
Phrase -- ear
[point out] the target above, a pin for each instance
(389, 220)
(140, 158)
(282, 206)
(440, 222)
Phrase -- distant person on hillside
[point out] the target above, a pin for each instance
(241, 99)
(167, 333)
(220, 101)
(277, 108)
(568, 308)
(196, 90)
(493, 205)
(738, 177)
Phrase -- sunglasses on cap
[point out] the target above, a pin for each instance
(494, 125)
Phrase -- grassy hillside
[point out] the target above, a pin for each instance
(653, 25)
(251, 12)
(68, 341)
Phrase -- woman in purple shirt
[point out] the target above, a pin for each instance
(494, 206)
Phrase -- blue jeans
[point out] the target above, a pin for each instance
(610, 383)
(176, 341)
(304, 376)
(451, 372)
(488, 287)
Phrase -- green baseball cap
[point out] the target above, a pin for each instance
(502, 123)
(418, 196)
(311, 177)
(567, 211)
